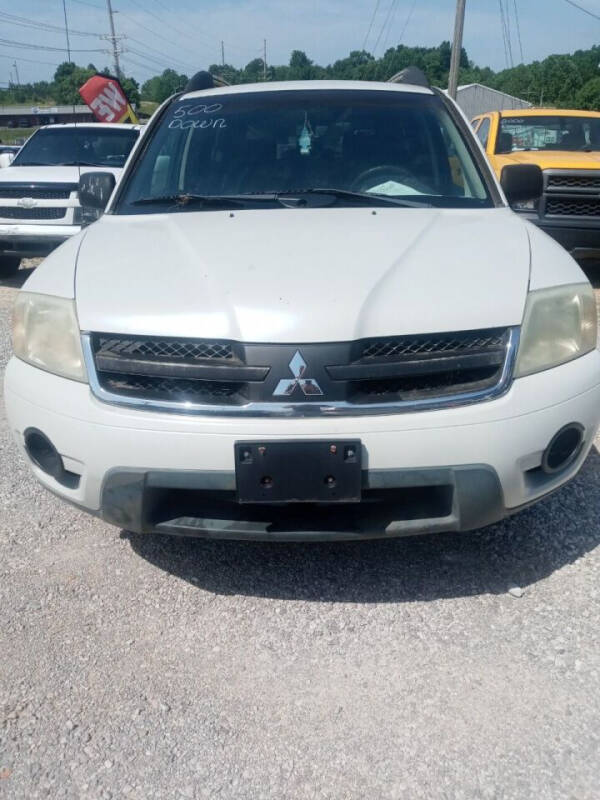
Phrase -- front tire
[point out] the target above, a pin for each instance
(9, 266)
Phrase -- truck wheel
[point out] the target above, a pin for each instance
(8, 266)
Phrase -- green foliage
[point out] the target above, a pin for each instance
(162, 86)
(63, 89)
(559, 80)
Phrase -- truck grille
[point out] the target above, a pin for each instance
(14, 192)
(568, 181)
(573, 207)
(572, 193)
(10, 212)
(399, 370)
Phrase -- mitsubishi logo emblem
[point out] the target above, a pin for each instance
(287, 386)
(27, 202)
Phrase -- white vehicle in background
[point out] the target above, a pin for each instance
(308, 312)
(39, 206)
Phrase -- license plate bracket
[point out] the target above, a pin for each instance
(306, 471)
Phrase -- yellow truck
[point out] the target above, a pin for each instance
(565, 144)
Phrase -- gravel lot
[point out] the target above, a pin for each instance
(141, 667)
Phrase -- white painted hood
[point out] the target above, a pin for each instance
(50, 174)
(303, 275)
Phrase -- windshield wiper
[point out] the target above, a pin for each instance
(211, 200)
(76, 164)
(371, 197)
(289, 198)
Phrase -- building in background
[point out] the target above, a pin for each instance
(474, 99)
(32, 116)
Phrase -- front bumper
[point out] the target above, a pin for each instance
(450, 469)
(580, 239)
(33, 241)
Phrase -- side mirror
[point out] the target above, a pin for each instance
(95, 189)
(521, 182)
(6, 159)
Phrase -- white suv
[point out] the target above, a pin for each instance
(308, 312)
(39, 208)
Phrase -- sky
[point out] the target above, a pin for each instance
(186, 34)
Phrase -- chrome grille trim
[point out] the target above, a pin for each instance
(313, 409)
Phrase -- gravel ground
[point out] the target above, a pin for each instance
(148, 667)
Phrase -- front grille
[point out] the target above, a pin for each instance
(37, 193)
(430, 345)
(166, 348)
(392, 369)
(175, 390)
(567, 181)
(10, 212)
(573, 207)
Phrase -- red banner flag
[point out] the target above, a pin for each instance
(107, 100)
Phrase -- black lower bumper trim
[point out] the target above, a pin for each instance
(394, 503)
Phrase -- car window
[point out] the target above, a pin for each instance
(548, 132)
(381, 143)
(85, 146)
(483, 131)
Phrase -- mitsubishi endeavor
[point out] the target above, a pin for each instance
(308, 312)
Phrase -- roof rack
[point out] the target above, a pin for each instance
(412, 75)
(204, 80)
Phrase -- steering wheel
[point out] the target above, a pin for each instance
(387, 172)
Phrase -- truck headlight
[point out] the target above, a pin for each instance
(559, 324)
(46, 335)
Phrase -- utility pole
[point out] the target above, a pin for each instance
(17, 73)
(222, 53)
(459, 24)
(264, 59)
(67, 30)
(114, 39)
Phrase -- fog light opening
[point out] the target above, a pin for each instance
(564, 448)
(43, 453)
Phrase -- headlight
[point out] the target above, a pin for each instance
(46, 335)
(525, 205)
(559, 325)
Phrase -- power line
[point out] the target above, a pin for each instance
(31, 60)
(508, 34)
(86, 3)
(518, 32)
(408, 19)
(581, 8)
(385, 24)
(163, 55)
(24, 22)
(27, 46)
(503, 25)
(210, 40)
(373, 15)
(390, 26)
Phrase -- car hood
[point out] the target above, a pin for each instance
(303, 275)
(553, 159)
(49, 174)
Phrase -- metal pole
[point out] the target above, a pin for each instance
(223, 53)
(17, 73)
(67, 30)
(459, 24)
(264, 59)
(114, 39)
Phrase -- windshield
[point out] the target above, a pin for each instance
(548, 133)
(382, 143)
(84, 147)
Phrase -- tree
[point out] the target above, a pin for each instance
(301, 68)
(588, 97)
(162, 86)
